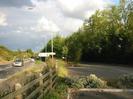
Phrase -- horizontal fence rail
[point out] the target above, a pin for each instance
(36, 89)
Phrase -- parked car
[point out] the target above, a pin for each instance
(18, 62)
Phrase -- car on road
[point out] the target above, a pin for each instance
(32, 59)
(18, 62)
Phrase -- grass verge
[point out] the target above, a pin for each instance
(60, 91)
(61, 69)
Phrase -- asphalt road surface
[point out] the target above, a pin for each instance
(102, 95)
(101, 70)
(7, 69)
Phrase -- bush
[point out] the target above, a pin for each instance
(94, 82)
(125, 81)
(91, 81)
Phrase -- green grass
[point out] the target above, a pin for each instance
(38, 62)
(61, 68)
(9, 55)
(60, 91)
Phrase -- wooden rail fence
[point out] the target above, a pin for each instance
(36, 89)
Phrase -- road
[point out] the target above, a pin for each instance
(7, 69)
(101, 95)
(101, 70)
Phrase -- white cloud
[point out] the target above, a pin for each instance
(80, 8)
(3, 19)
(45, 25)
(71, 25)
(67, 14)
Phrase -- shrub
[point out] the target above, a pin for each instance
(91, 81)
(94, 82)
(125, 81)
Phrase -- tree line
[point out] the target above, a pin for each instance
(107, 36)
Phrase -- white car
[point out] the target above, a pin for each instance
(33, 60)
(18, 62)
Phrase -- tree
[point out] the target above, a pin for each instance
(65, 51)
(29, 53)
(106, 36)
(58, 43)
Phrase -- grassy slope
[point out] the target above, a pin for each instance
(8, 55)
(5, 54)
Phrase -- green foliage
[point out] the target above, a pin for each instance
(38, 62)
(8, 55)
(74, 47)
(52, 95)
(65, 51)
(125, 81)
(30, 53)
(61, 69)
(58, 43)
(91, 81)
(106, 36)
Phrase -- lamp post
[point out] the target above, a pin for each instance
(52, 49)
(46, 44)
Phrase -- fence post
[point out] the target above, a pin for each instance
(56, 66)
(50, 78)
(41, 83)
(17, 87)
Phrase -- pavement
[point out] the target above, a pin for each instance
(104, 71)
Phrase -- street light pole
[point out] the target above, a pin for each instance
(46, 44)
(52, 49)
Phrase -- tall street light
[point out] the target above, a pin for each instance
(52, 49)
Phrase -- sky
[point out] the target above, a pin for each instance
(28, 24)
